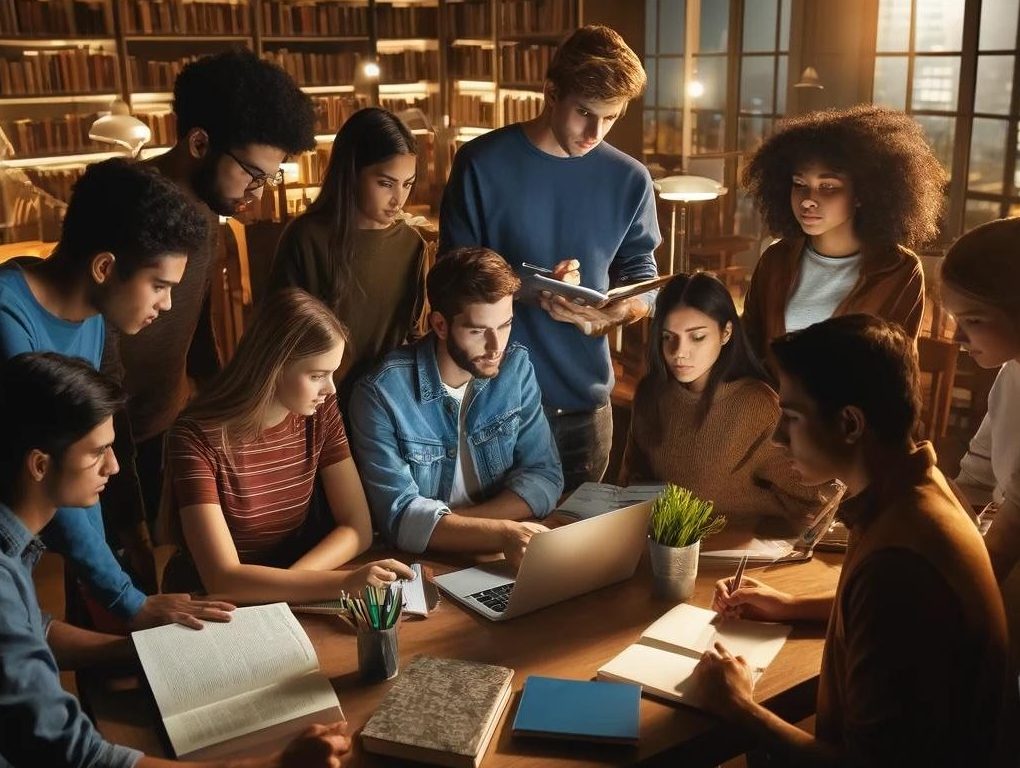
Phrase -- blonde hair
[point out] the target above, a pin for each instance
(290, 325)
(596, 63)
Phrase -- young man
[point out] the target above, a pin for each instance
(56, 452)
(125, 242)
(552, 192)
(449, 433)
(238, 118)
(914, 668)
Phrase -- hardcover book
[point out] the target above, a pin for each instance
(440, 711)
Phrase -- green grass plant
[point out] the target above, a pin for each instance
(679, 518)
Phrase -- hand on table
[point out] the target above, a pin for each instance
(179, 608)
(722, 682)
(378, 573)
(319, 747)
(754, 600)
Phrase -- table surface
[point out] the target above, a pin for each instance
(569, 640)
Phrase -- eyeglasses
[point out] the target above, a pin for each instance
(259, 178)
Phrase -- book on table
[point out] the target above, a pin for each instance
(664, 657)
(440, 711)
(587, 710)
(243, 687)
(593, 499)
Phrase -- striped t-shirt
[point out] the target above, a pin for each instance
(264, 486)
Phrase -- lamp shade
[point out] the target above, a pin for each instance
(809, 79)
(689, 189)
(120, 129)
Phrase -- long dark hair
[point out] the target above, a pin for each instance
(707, 294)
(369, 136)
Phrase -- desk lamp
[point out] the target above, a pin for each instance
(121, 129)
(684, 190)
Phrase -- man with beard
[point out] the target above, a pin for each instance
(449, 433)
(238, 118)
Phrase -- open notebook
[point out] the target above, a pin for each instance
(665, 655)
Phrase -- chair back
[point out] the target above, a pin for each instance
(937, 361)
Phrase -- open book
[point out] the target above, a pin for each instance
(592, 499)
(239, 688)
(663, 658)
(534, 280)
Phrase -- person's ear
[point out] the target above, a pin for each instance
(102, 266)
(852, 422)
(38, 463)
(549, 91)
(727, 332)
(439, 325)
(197, 143)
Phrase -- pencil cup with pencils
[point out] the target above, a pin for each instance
(375, 617)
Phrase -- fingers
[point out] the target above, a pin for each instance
(401, 570)
(186, 620)
(569, 271)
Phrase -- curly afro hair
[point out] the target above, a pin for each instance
(131, 211)
(239, 99)
(897, 179)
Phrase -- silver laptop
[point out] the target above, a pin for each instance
(558, 564)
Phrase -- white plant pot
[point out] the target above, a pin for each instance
(674, 570)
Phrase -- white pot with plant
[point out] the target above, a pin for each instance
(679, 521)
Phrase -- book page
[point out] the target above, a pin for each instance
(690, 631)
(657, 671)
(189, 668)
(593, 499)
(249, 712)
(766, 550)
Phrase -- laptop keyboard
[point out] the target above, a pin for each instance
(495, 599)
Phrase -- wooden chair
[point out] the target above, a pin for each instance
(937, 360)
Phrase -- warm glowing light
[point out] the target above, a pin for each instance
(371, 69)
(695, 89)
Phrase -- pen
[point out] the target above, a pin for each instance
(739, 574)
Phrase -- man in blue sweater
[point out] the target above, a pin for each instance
(552, 193)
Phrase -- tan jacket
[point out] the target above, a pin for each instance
(891, 286)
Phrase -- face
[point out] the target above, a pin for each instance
(84, 470)
(305, 384)
(133, 304)
(823, 200)
(477, 338)
(814, 445)
(228, 182)
(579, 125)
(990, 335)
(383, 189)
(691, 343)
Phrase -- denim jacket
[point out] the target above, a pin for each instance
(42, 724)
(404, 432)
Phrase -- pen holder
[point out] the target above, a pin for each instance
(378, 657)
(674, 570)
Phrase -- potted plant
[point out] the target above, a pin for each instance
(679, 521)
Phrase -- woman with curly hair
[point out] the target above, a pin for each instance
(848, 191)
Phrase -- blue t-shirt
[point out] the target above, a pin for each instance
(506, 194)
(77, 534)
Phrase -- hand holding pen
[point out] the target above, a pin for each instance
(743, 597)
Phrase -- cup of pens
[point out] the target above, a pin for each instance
(375, 617)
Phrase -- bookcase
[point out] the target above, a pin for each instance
(468, 65)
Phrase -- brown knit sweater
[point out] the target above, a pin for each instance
(729, 460)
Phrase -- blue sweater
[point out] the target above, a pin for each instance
(506, 194)
(77, 534)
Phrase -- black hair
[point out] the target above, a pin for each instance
(705, 293)
(858, 360)
(132, 211)
(238, 99)
(897, 179)
(369, 136)
(48, 402)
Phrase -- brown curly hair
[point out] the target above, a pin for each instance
(896, 177)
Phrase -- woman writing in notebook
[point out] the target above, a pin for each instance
(705, 411)
(352, 250)
(244, 461)
(846, 190)
(981, 288)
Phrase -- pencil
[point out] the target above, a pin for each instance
(739, 575)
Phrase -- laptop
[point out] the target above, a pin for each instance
(558, 564)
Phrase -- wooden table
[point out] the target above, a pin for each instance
(570, 640)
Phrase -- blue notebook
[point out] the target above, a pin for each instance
(579, 709)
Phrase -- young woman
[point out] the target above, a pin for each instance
(981, 288)
(244, 458)
(352, 250)
(847, 191)
(705, 412)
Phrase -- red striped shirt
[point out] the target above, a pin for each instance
(263, 487)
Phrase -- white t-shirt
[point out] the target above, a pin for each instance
(823, 283)
(993, 457)
(465, 480)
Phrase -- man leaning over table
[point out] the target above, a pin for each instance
(914, 670)
(449, 433)
(57, 452)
